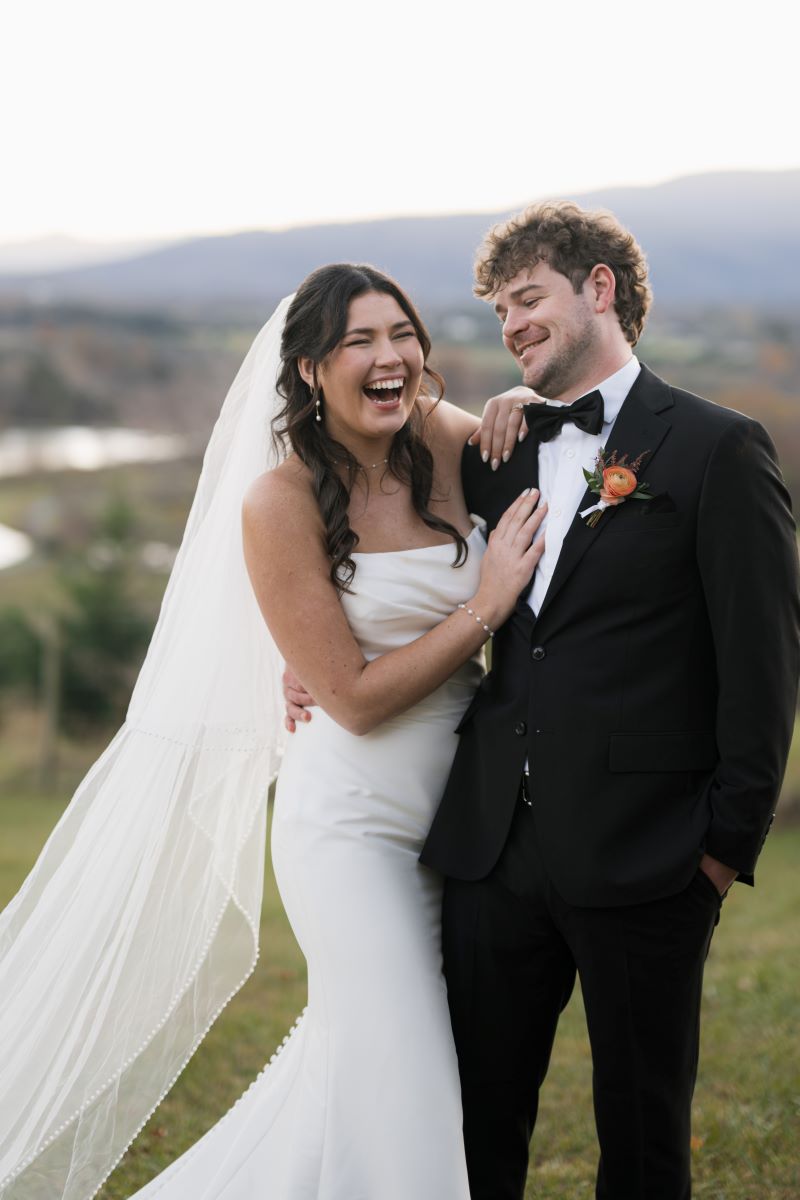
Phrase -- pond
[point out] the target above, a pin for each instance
(74, 448)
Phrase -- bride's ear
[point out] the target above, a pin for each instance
(308, 371)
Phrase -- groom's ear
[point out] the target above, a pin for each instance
(602, 287)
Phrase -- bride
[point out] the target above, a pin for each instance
(139, 920)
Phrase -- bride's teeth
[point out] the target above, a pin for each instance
(392, 386)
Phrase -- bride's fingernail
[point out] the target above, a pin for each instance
(506, 455)
(521, 435)
(495, 463)
(485, 456)
(526, 492)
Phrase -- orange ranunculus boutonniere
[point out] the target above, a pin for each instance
(614, 480)
(618, 482)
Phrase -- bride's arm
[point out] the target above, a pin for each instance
(290, 573)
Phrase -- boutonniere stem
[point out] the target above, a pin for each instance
(614, 480)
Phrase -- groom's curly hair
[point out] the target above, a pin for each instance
(571, 240)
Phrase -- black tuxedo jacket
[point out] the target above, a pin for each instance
(654, 694)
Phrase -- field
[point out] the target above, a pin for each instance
(748, 1096)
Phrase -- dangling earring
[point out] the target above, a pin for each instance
(315, 397)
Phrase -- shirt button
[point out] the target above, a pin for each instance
(520, 729)
(537, 653)
(569, 453)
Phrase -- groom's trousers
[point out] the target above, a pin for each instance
(511, 949)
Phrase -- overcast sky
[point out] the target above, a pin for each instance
(169, 117)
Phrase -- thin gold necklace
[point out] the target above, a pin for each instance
(384, 462)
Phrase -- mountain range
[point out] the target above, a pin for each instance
(60, 251)
(726, 238)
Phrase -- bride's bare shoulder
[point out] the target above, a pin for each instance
(282, 499)
(448, 427)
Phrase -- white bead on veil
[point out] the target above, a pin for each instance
(140, 919)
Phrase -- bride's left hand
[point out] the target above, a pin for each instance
(503, 425)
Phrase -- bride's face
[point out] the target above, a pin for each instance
(371, 379)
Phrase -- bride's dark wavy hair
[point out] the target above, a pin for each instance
(315, 324)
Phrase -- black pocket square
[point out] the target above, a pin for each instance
(662, 503)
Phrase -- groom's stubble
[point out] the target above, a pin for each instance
(570, 367)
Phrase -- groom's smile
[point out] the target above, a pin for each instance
(523, 350)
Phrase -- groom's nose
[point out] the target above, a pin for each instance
(516, 320)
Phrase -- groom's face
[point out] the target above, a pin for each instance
(549, 329)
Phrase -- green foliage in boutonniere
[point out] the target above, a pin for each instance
(614, 480)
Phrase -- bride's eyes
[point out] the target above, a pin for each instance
(403, 333)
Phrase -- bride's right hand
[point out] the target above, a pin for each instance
(510, 558)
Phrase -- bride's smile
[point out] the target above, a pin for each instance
(385, 393)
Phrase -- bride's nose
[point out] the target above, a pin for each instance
(387, 354)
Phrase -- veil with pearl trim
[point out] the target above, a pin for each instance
(139, 921)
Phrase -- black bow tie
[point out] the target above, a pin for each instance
(545, 420)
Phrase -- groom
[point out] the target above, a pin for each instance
(619, 766)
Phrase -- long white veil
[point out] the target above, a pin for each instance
(140, 919)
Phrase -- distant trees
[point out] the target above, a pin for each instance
(66, 365)
(19, 652)
(103, 635)
(79, 660)
(46, 398)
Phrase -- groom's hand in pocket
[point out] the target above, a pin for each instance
(721, 876)
(298, 700)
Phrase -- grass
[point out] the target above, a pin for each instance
(748, 1095)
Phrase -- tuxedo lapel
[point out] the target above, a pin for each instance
(640, 426)
(488, 493)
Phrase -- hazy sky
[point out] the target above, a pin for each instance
(166, 117)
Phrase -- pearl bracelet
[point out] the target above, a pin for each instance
(480, 620)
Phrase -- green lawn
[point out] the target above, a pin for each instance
(748, 1095)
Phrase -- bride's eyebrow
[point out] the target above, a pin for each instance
(368, 331)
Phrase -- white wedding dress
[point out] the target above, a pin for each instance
(363, 1101)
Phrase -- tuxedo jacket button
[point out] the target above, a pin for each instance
(520, 729)
(537, 653)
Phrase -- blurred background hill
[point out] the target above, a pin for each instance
(114, 360)
(717, 238)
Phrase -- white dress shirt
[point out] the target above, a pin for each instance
(561, 480)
